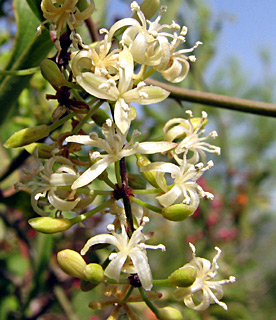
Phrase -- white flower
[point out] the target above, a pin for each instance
(50, 179)
(203, 291)
(190, 129)
(62, 13)
(133, 247)
(115, 148)
(123, 93)
(184, 189)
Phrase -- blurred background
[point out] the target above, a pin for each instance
(237, 59)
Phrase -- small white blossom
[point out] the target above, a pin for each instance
(133, 247)
(50, 179)
(190, 130)
(185, 188)
(115, 148)
(203, 291)
(122, 93)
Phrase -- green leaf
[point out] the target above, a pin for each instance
(29, 50)
(35, 7)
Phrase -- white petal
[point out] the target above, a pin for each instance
(154, 147)
(169, 197)
(114, 268)
(140, 262)
(92, 173)
(154, 94)
(122, 116)
(100, 238)
(61, 204)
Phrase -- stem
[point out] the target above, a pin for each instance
(147, 191)
(118, 174)
(128, 294)
(92, 29)
(90, 213)
(61, 121)
(148, 302)
(24, 72)
(65, 303)
(88, 115)
(146, 205)
(162, 283)
(218, 100)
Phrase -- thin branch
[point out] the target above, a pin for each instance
(92, 29)
(217, 100)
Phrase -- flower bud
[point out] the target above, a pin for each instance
(150, 176)
(136, 181)
(149, 8)
(44, 150)
(26, 136)
(183, 277)
(94, 273)
(83, 5)
(50, 225)
(178, 212)
(100, 117)
(51, 73)
(72, 263)
(169, 313)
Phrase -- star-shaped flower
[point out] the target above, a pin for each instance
(203, 291)
(133, 247)
(122, 93)
(115, 148)
(185, 188)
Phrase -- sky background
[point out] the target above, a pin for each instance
(249, 27)
(252, 28)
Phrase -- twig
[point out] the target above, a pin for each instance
(92, 28)
(217, 100)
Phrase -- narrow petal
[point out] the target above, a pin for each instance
(100, 238)
(168, 198)
(154, 147)
(146, 95)
(92, 173)
(114, 268)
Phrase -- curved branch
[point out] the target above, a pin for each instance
(217, 100)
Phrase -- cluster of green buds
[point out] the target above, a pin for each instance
(97, 92)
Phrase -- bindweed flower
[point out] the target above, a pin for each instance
(190, 130)
(133, 247)
(185, 188)
(64, 13)
(56, 172)
(122, 93)
(115, 148)
(203, 291)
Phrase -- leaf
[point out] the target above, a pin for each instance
(29, 50)
(35, 7)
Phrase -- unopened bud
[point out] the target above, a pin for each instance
(169, 313)
(150, 176)
(26, 136)
(94, 273)
(72, 263)
(178, 212)
(136, 181)
(50, 225)
(44, 150)
(100, 117)
(149, 8)
(183, 277)
(51, 73)
(83, 4)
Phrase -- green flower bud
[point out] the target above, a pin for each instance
(51, 73)
(149, 8)
(26, 136)
(183, 277)
(136, 181)
(169, 313)
(150, 176)
(83, 4)
(50, 225)
(100, 117)
(72, 263)
(178, 212)
(94, 273)
(44, 150)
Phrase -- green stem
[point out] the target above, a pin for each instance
(61, 121)
(25, 72)
(146, 205)
(147, 191)
(118, 173)
(65, 303)
(217, 100)
(90, 213)
(89, 114)
(153, 308)
(128, 294)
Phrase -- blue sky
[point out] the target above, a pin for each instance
(252, 28)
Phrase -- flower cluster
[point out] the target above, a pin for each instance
(109, 76)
